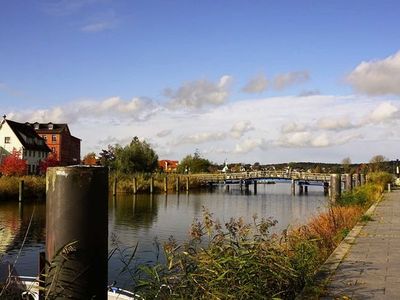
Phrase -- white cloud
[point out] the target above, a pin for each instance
(199, 138)
(377, 77)
(199, 93)
(257, 84)
(98, 26)
(135, 109)
(240, 128)
(249, 145)
(292, 127)
(335, 123)
(384, 112)
(283, 81)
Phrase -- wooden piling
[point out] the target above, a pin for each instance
(151, 185)
(134, 183)
(336, 186)
(115, 186)
(255, 186)
(187, 183)
(293, 187)
(306, 189)
(177, 184)
(21, 191)
(166, 184)
(348, 183)
(77, 232)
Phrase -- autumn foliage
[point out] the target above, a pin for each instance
(49, 161)
(13, 165)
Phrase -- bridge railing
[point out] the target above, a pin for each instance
(262, 174)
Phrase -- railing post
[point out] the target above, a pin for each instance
(77, 232)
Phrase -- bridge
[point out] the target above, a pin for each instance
(302, 179)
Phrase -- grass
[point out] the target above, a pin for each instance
(35, 186)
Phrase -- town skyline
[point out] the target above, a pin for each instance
(268, 83)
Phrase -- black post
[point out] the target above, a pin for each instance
(77, 232)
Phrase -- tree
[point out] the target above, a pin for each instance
(13, 164)
(49, 161)
(90, 159)
(107, 157)
(346, 162)
(195, 164)
(376, 163)
(138, 156)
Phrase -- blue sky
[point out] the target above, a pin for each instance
(156, 68)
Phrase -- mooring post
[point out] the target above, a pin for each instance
(293, 187)
(151, 185)
(348, 183)
(187, 183)
(326, 188)
(226, 187)
(255, 186)
(357, 180)
(301, 189)
(306, 189)
(115, 186)
(166, 184)
(77, 232)
(21, 191)
(134, 183)
(241, 184)
(177, 184)
(389, 187)
(336, 186)
(362, 179)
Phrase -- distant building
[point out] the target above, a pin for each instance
(23, 138)
(65, 147)
(168, 166)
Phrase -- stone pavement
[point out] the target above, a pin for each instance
(371, 268)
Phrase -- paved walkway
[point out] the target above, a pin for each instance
(371, 269)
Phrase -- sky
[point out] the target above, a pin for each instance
(237, 81)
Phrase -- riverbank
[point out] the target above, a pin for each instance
(34, 187)
(246, 261)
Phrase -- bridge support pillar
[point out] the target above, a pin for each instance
(255, 187)
(326, 188)
(336, 186)
(293, 187)
(227, 187)
(348, 183)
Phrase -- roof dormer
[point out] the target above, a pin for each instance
(50, 126)
(36, 125)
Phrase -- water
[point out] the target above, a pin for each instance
(144, 218)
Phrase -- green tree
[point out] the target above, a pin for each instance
(346, 162)
(138, 156)
(195, 164)
(376, 163)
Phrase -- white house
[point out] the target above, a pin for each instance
(23, 138)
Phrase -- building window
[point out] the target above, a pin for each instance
(29, 153)
(53, 138)
(44, 137)
(33, 153)
(53, 149)
(7, 140)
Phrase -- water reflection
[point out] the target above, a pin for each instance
(142, 218)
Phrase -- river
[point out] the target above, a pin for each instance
(144, 219)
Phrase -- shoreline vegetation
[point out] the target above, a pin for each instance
(237, 260)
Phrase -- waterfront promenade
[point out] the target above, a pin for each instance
(371, 268)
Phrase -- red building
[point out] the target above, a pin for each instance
(63, 145)
(168, 166)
